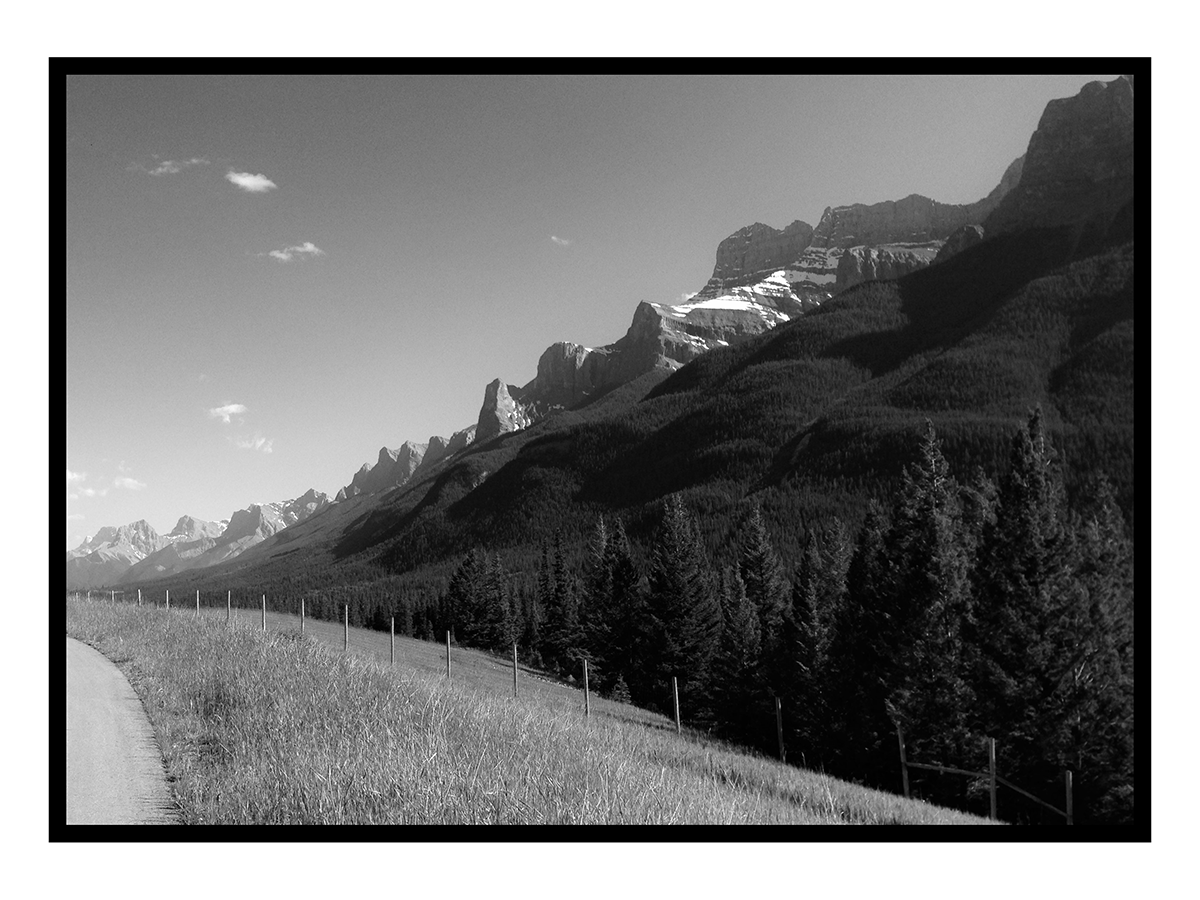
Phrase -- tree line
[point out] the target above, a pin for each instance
(965, 611)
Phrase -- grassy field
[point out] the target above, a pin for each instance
(280, 728)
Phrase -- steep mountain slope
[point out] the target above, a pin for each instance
(811, 419)
(395, 468)
(762, 277)
(1079, 166)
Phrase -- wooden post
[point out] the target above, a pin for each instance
(447, 654)
(1070, 803)
(345, 627)
(168, 601)
(903, 761)
(515, 669)
(197, 604)
(992, 775)
(139, 596)
(264, 615)
(112, 598)
(587, 697)
(302, 615)
(779, 729)
(228, 606)
(675, 691)
(393, 640)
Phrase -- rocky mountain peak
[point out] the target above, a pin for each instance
(753, 251)
(501, 412)
(189, 528)
(1078, 168)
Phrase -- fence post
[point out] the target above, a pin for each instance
(228, 606)
(393, 640)
(264, 612)
(903, 761)
(587, 697)
(112, 598)
(515, 668)
(447, 653)
(1070, 806)
(779, 729)
(168, 601)
(992, 775)
(302, 615)
(197, 604)
(139, 596)
(345, 627)
(675, 691)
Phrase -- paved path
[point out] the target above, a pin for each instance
(114, 768)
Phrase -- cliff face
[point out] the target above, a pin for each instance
(753, 252)
(1079, 165)
(915, 219)
(392, 468)
(859, 264)
(501, 412)
(762, 276)
(660, 336)
(965, 237)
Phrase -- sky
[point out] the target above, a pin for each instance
(270, 278)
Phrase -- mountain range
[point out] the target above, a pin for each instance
(136, 552)
(791, 376)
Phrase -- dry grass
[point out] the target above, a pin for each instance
(273, 727)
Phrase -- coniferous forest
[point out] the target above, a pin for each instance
(987, 608)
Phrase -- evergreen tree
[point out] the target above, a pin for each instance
(1028, 608)
(861, 670)
(626, 632)
(461, 602)
(739, 696)
(929, 692)
(762, 573)
(1097, 740)
(597, 616)
(1019, 573)
(836, 549)
(564, 634)
(796, 661)
(684, 615)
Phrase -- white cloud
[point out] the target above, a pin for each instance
(255, 184)
(75, 476)
(88, 492)
(76, 517)
(172, 166)
(562, 242)
(131, 483)
(224, 412)
(256, 443)
(287, 254)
